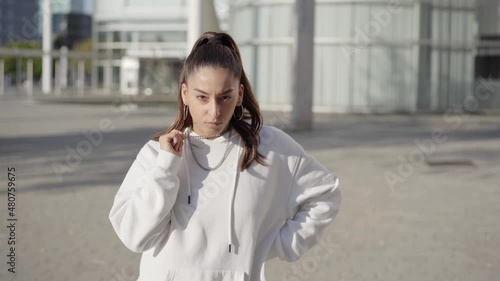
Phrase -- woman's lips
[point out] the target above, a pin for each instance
(213, 124)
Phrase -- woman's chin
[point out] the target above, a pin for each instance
(210, 129)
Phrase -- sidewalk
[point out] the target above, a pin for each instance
(401, 219)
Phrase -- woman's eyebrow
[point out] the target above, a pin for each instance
(223, 93)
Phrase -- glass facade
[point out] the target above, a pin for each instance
(145, 41)
(18, 21)
(70, 29)
(71, 6)
(487, 64)
(369, 56)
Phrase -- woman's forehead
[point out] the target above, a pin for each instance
(211, 75)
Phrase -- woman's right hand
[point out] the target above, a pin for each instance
(172, 142)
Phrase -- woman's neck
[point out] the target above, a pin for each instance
(211, 136)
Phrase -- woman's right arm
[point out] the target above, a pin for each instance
(140, 214)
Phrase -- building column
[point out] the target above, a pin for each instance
(194, 23)
(81, 77)
(64, 67)
(47, 47)
(108, 76)
(201, 17)
(19, 72)
(303, 66)
(2, 77)
(29, 77)
(57, 76)
(424, 25)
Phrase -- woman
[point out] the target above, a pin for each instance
(218, 193)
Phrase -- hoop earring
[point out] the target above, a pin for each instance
(185, 112)
(234, 114)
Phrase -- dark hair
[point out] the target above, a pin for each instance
(218, 50)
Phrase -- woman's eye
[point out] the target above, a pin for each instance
(224, 98)
(201, 97)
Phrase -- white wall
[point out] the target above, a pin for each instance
(489, 17)
(366, 54)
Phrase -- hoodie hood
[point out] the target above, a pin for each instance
(279, 210)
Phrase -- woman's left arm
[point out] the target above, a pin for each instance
(314, 202)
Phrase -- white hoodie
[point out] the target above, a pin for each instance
(190, 224)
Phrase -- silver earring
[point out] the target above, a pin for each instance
(241, 116)
(185, 112)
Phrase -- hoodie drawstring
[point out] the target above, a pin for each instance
(233, 190)
(235, 182)
(187, 171)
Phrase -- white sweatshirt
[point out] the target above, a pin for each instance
(190, 224)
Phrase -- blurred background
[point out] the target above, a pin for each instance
(399, 98)
(369, 56)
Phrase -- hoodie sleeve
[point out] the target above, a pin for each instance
(140, 214)
(314, 202)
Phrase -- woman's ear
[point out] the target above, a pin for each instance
(240, 94)
(184, 93)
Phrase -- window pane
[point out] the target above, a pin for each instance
(116, 36)
(128, 36)
(102, 37)
(163, 36)
(117, 52)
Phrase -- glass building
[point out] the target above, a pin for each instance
(369, 56)
(18, 21)
(487, 67)
(145, 42)
(71, 22)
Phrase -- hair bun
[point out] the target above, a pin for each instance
(218, 40)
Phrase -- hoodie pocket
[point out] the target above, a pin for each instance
(194, 274)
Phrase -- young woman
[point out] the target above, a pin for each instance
(218, 193)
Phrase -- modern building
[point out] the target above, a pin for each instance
(147, 39)
(369, 56)
(146, 42)
(488, 57)
(18, 21)
(71, 21)
(487, 67)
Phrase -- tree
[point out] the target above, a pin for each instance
(85, 47)
(10, 62)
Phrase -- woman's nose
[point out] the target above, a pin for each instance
(214, 109)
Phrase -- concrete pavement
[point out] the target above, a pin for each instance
(401, 219)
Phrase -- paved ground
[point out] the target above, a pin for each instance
(431, 223)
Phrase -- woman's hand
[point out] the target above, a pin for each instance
(172, 142)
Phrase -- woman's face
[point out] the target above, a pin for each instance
(211, 95)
